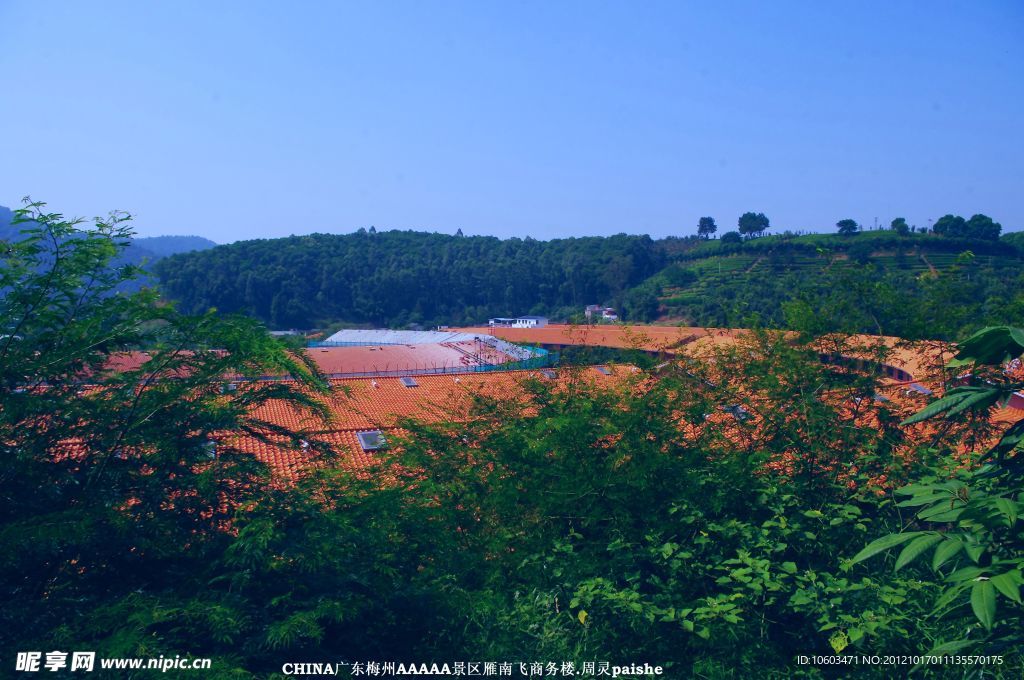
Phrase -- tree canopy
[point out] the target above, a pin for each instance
(706, 227)
(752, 224)
(395, 278)
(979, 226)
(848, 227)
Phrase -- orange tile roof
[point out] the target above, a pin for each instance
(919, 359)
(364, 404)
(652, 338)
(1007, 415)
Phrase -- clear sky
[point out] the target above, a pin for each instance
(251, 119)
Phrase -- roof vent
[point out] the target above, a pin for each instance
(410, 382)
(371, 441)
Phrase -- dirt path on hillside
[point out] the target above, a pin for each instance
(753, 264)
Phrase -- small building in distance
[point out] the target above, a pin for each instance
(602, 313)
(518, 322)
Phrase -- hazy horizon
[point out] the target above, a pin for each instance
(239, 121)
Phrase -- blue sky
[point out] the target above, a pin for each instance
(237, 120)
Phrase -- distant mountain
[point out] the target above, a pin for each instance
(6, 216)
(141, 251)
(165, 246)
(150, 248)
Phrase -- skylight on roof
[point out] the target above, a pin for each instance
(603, 370)
(371, 441)
(410, 382)
(920, 389)
(547, 373)
(737, 412)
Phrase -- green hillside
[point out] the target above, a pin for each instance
(399, 278)
(788, 280)
(402, 278)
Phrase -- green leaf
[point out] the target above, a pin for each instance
(981, 397)
(915, 548)
(983, 602)
(1008, 584)
(974, 551)
(1008, 508)
(935, 408)
(924, 500)
(839, 641)
(948, 596)
(883, 544)
(990, 346)
(941, 513)
(1012, 438)
(945, 552)
(966, 574)
(582, 616)
(951, 647)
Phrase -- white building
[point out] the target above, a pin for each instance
(602, 313)
(518, 322)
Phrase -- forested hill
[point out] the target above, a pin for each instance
(912, 285)
(398, 278)
(395, 278)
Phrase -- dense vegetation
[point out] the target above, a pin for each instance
(396, 278)
(912, 286)
(705, 515)
(401, 278)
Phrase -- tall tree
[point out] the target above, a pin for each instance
(848, 227)
(706, 227)
(752, 224)
(983, 227)
(900, 226)
(950, 225)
